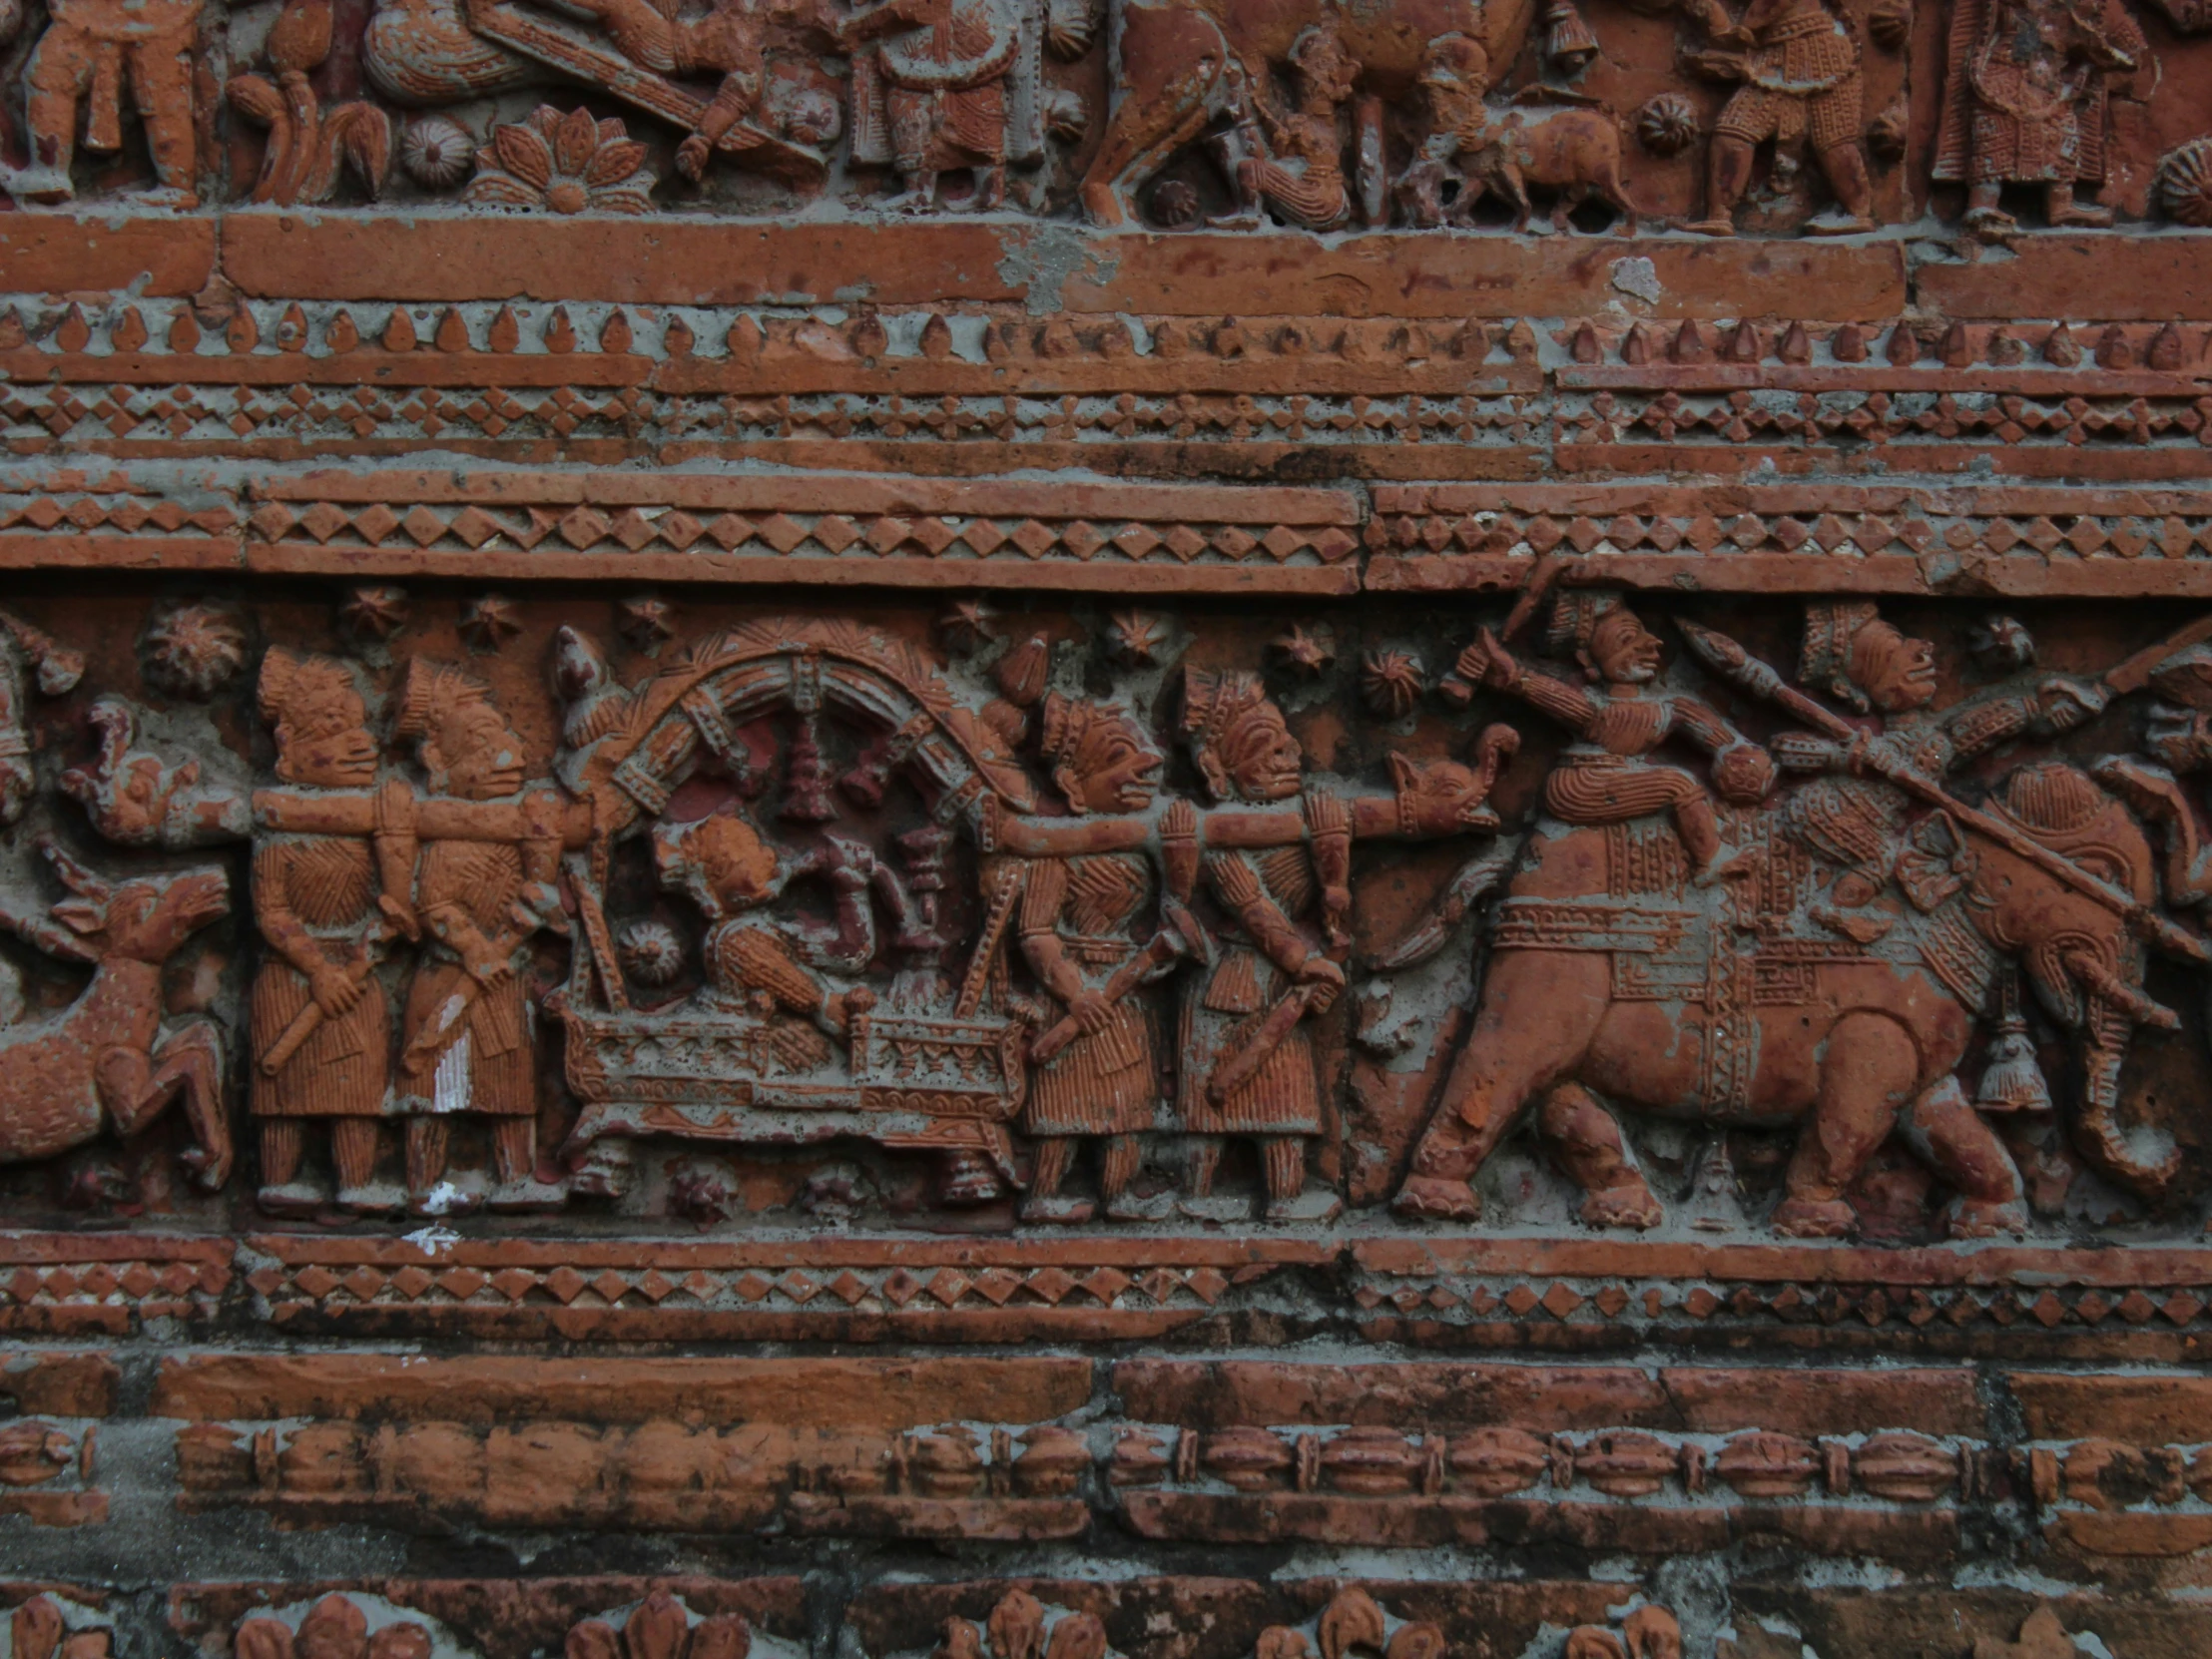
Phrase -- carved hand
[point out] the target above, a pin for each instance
(1325, 976)
(2067, 701)
(487, 970)
(1486, 661)
(335, 990)
(1092, 1013)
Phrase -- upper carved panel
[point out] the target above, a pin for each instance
(1779, 118)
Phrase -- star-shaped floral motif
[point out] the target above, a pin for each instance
(969, 624)
(374, 613)
(1306, 653)
(1135, 637)
(1391, 683)
(647, 622)
(490, 622)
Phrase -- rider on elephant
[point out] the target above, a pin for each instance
(1619, 719)
(1851, 817)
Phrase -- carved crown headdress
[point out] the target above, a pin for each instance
(1213, 701)
(315, 696)
(1830, 626)
(1575, 614)
(431, 691)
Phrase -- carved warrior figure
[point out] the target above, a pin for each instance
(1799, 82)
(466, 1039)
(320, 1030)
(1849, 816)
(1296, 166)
(932, 95)
(90, 51)
(1606, 775)
(1248, 1066)
(2025, 92)
(1079, 934)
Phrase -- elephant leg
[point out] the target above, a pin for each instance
(1869, 1069)
(1945, 1130)
(1541, 1012)
(1585, 1142)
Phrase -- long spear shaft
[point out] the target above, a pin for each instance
(1737, 666)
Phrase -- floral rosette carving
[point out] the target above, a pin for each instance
(562, 164)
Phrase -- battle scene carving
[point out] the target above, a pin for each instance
(1105, 829)
(1826, 117)
(1812, 920)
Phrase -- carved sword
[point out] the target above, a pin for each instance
(1173, 940)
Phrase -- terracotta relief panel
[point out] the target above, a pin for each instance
(1105, 829)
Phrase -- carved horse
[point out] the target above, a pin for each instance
(105, 1059)
(1847, 1042)
(1182, 62)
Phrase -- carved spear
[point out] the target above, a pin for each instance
(1725, 658)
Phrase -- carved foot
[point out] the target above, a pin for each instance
(1992, 224)
(1315, 1204)
(40, 184)
(1628, 1205)
(1836, 222)
(526, 1194)
(2150, 790)
(2079, 218)
(1710, 227)
(1815, 1218)
(1973, 1218)
(1129, 1207)
(606, 1169)
(292, 1198)
(1217, 1208)
(445, 1199)
(375, 1198)
(1436, 1198)
(1055, 1209)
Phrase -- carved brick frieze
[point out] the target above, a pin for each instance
(1105, 829)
